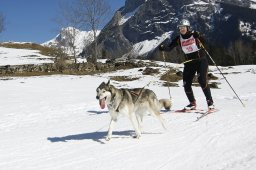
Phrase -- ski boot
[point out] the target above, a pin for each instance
(210, 105)
(191, 106)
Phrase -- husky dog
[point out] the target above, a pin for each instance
(133, 103)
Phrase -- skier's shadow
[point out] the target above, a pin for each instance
(95, 136)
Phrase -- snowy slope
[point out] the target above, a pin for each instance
(55, 122)
(10, 56)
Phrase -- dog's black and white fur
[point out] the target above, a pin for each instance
(133, 103)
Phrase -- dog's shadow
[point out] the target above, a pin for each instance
(95, 136)
(165, 111)
(93, 112)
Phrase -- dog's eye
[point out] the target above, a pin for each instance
(103, 91)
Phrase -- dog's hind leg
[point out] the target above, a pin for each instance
(153, 109)
(110, 129)
(156, 113)
(135, 125)
(161, 119)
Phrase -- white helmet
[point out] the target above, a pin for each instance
(184, 22)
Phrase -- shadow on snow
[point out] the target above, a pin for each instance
(96, 112)
(95, 136)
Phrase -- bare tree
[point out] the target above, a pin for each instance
(83, 14)
(93, 13)
(69, 20)
(2, 19)
(70, 34)
(241, 52)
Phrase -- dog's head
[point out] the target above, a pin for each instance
(103, 93)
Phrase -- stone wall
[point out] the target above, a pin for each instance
(55, 68)
(47, 68)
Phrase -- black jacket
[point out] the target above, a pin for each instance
(176, 42)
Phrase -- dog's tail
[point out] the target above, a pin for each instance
(166, 103)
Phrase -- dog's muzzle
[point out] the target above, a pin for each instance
(101, 101)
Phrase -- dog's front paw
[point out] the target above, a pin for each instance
(136, 136)
(108, 138)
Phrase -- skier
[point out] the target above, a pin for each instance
(190, 41)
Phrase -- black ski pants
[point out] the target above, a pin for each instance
(199, 66)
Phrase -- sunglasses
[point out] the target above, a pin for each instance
(182, 27)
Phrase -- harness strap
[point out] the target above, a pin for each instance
(122, 96)
(134, 93)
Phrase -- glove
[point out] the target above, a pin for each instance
(161, 47)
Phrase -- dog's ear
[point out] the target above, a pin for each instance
(108, 83)
(112, 90)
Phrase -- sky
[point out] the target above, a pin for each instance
(56, 123)
(32, 20)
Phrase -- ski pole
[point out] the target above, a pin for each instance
(163, 54)
(220, 72)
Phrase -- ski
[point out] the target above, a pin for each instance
(190, 111)
(206, 113)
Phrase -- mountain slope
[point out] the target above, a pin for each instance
(222, 22)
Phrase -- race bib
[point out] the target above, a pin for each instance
(189, 45)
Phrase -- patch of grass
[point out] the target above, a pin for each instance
(48, 51)
(171, 76)
(65, 72)
(123, 78)
(213, 85)
(150, 71)
(168, 84)
(212, 77)
(6, 78)
(28, 74)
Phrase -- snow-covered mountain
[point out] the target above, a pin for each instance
(62, 40)
(143, 22)
(253, 4)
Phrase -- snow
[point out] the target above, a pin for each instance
(9, 56)
(146, 46)
(55, 122)
(82, 39)
(200, 3)
(127, 16)
(245, 27)
(253, 4)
